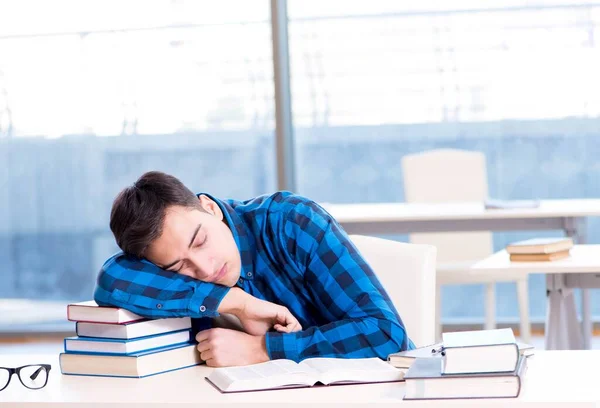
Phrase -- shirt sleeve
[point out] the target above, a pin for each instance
(362, 319)
(143, 288)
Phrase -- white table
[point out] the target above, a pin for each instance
(554, 379)
(404, 218)
(580, 270)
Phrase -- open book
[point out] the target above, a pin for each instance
(277, 374)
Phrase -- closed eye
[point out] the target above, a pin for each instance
(176, 270)
(201, 243)
(182, 263)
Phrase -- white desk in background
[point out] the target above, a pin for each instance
(568, 215)
(580, 270)
(554, 379)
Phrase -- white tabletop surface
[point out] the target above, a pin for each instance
(583, 259)
(385, 212)
(554, 378)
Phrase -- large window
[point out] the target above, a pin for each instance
(92, 97)
(373, 81)
(94, 93)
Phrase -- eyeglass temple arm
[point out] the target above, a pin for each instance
(36, 373)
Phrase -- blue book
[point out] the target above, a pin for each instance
(97, 345)
(136, 365)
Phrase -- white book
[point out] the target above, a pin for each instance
(424, 381)
(479, 351)
(132, 330)
(119, 346)
(287, 374)
(90, 312)
(405, 359)
(136, 365)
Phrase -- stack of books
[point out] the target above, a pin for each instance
(114, 342)
(472, 364)
(540, 249)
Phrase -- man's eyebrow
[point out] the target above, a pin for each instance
(189, 246)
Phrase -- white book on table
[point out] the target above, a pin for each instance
(425, 381)
(134, 365)
(90, 311)
(479, 351)
(132, 330)
(120, 346)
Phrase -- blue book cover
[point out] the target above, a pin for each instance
(98, 345)
(136, 365)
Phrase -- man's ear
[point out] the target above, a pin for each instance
(210, 206)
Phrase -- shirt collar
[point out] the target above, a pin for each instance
(242, 235)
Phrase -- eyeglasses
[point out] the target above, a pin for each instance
(33, 376)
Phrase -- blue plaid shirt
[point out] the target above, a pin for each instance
(293, 254)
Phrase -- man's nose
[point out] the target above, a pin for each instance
(203, 265)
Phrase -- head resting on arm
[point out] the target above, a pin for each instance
(160, 219)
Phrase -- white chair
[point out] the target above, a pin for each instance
(407, 272)
(448, 175)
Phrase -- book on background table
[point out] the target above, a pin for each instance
(496, 204)
(278, 374)
(425, 381)
(479, 351)
(540, 246)
(89, 311)
(540, 257)
(99, 345)
(405, 359)
(132, 330)
(136, 365)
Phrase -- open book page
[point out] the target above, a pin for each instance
(271, 374)
(340, 370)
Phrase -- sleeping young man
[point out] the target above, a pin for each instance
(280, 263)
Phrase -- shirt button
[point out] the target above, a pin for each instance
(203, 308)
(241, 281)
(159, 306)
(249, 274)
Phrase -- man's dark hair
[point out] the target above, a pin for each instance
(138, 212)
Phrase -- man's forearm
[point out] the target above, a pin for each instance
(349, 338)
(233, 302)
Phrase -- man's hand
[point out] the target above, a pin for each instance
(258, 316)
(224, 348)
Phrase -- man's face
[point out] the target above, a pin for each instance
(197, 244)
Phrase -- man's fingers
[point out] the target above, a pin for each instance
(286, 318)
(203, 346)
(286, 322)
(289, 328)
(207, 355)
(211, 362)
(203, 335)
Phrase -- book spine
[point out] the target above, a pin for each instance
(124, 354)
(124, 376)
